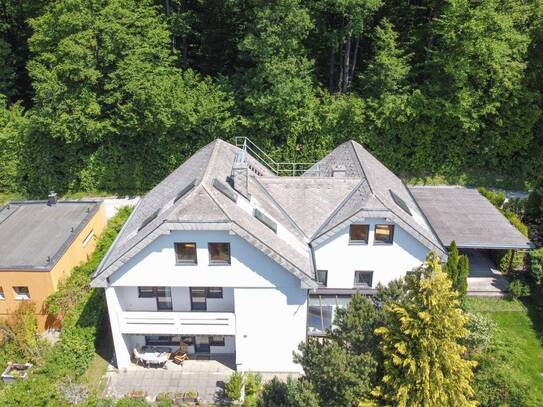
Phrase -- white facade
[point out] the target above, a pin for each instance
(387, 261)
(260, 300)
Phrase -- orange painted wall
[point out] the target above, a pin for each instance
(42, 283)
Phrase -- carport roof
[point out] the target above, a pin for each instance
(468, 218)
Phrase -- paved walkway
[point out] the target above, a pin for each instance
(207, 377)
(484, 277)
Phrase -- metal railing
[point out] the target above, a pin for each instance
(278, 168)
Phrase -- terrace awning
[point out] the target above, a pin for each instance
(468, 218)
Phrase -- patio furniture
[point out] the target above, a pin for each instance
(179, 357)
(155, 358)
(138, 357)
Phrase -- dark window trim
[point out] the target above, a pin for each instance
(359, 242)
(152, 295)
(380, 242)
(356, 284)
(220, 262)
(192, 302)
(218, 343)
(325, 283)
(208, 295)
(171, 342)
(186, 262)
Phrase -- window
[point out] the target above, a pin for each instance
(198, 299)
(88, 238)
(384, 234)
(149, 219)
(21, 293)
(219, 253)
(146, 292)
(214, 292)
(2, 296)
(363, 278)
(322, 277)
(163, 340)
(359, 233)
(185, 253)
(400, 202)
(217, 341)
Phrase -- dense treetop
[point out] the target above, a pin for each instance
(112, 95)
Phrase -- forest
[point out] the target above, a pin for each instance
(111, 95)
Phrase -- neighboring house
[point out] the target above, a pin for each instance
(40, 243)
(230, 258)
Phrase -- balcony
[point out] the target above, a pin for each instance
(178, 323)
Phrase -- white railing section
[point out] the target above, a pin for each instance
(190, 323)
(278, 168)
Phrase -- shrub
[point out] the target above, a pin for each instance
(496, 198)
(274, 394)
(519, 288)
(129, 402)
(481, 330)
(535, 266)
(301, 393)
(233, 388)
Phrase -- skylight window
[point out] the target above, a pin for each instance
(265, 219)
(184, 191)
(225, 190)
(400, 202)
(149, 219)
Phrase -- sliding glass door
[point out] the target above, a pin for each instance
(164, 298)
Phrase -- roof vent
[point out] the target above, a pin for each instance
(339, 171)
(265, 219)
(149, 219)
(400, 202)
(225, 190)
(184, 191)
(52, 198)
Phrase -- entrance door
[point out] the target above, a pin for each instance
(164, 298)
(202, 344)
(198, 301)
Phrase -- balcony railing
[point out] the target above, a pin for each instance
(178, 323)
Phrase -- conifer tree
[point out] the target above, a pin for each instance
(463, 273)
(452, 263)
(424, 361)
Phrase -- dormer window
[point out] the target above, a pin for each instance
(358, 234)
(384, 234)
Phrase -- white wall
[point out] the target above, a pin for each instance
(155, 265)
(270, 323)
(129, 300)
(387, 262)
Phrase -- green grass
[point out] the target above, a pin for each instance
(520, 326)
(98, 366)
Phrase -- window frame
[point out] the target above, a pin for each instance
(219, 262)
(152, 289)
(212, 341)
(325, 283)
(22, 297)
(2, 293)
(359, 242)
(184, 262)
(192, 307)
(357, 284)
(214, 296)
(382, 242)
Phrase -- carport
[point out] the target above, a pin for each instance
(477, 227)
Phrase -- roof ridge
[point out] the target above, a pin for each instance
(351, 142)
(211, 160)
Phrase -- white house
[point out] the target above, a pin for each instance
(231, 258)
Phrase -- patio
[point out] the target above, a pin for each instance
(205, 376)
(484, 277)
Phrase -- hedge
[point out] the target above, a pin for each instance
(75, 349)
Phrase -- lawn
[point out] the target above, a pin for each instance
(520, 326)
(98, 365)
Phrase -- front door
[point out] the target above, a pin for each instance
(164, 298)
(198, 301)
(202, 344)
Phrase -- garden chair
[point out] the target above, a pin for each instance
(138, 357)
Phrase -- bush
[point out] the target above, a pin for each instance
(502, 258)
(498, 200)
(233, 388)
(274, 394)
(519, 288)
(481, 330)
(535, 266)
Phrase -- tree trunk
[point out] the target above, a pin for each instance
(168, 8)
(332, 69)
(341, 70)
(355, 56)
(346, 65)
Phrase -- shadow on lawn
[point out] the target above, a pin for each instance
(534, 305)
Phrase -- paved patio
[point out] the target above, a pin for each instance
(484, 277)
(207, 377)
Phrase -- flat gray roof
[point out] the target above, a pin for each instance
(468, 218)
(34, 235)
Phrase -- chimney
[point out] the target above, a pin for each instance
(52, 198)
(240, 175)
(339, 171)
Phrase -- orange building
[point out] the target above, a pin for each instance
(40, 243)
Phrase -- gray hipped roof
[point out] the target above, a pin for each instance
(468, 218)
(34, 235)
